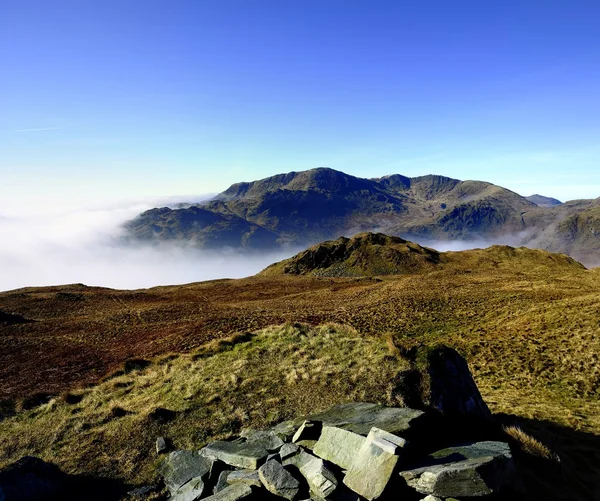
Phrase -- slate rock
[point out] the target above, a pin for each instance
(222, 481)
(232, 493)
(478, 469)
(265, 438)
(338, 446)
(374, 464)
(248, 455)
(180, 467)
(360, 417)
(321, 480)
(190, 491)
(278, 480)
(288, 450)
(248, 477)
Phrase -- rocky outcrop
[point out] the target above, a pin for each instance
(340, 454)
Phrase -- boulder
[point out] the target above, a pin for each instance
(320, 479)
(338, 446)
(31, 479)
(374, 463)
(179, 467)
(278, 480)
(478, 469)
(447, 384)
(248, 455)
(232, 493)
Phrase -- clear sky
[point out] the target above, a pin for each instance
(131, 98)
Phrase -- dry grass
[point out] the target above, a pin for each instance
(529, 444)
(246, 380)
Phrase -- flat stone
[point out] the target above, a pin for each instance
(321, 480)
(431, 498)
(338, 446)
(286, 429)
(248, 477)
(360, 417)
(232, 493)
(264, 438)
(190, 491)
(277, 480)
(477, 469)
(374, 463)
(248, 455)
(288, 450)
(180, 467)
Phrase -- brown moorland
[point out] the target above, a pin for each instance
(526, 320)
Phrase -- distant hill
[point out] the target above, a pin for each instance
(542, 201)
(303, 208)
(372, 254)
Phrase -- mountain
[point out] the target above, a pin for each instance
(542, 201)
(303, 208)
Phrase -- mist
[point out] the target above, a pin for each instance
(81, 245)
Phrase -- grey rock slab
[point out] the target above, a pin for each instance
(288, 450)
(321, 480)
(248, 455)
(180, 467)
(338, 446)
(232, 493)
(278, 480)
(374, 464)
(265, 438)
(477, 469)
(222, 482)
(248, 477)
(360, 417)
(286, 429)
(190, 491)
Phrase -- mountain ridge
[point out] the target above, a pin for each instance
(306, 207)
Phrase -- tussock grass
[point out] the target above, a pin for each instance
(529, 444)
(249, 379)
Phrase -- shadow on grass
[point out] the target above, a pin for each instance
(575, 477)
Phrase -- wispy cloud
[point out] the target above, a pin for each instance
(38, 129)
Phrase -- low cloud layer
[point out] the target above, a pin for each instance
(81, 246)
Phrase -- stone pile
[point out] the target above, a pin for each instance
(353, 451)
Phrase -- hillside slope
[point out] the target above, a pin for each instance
(372, 254)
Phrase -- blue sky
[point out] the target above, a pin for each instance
(125, 99)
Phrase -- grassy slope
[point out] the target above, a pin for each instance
(249, 380)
